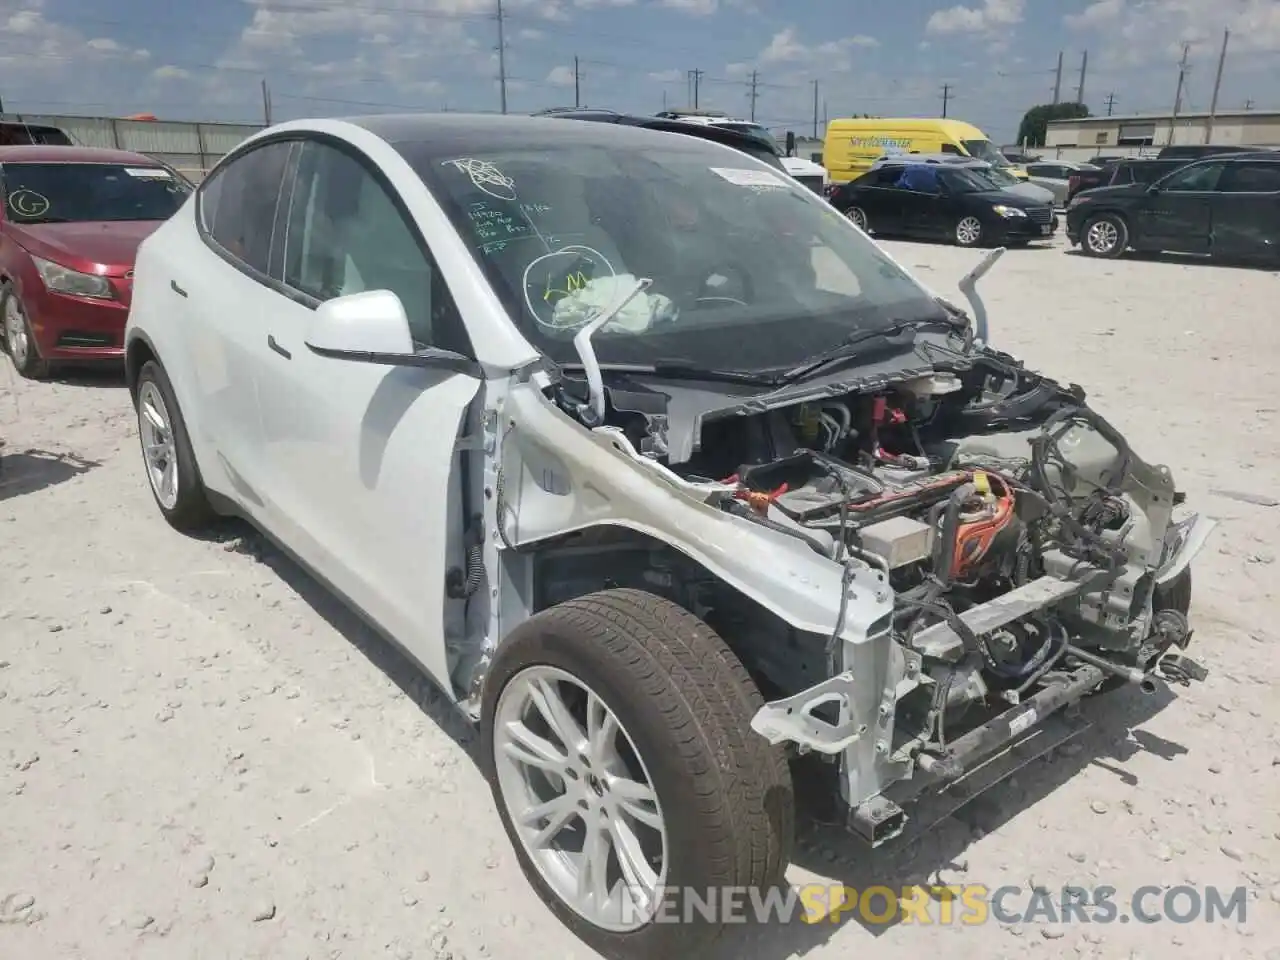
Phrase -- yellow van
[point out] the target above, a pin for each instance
(853, 145)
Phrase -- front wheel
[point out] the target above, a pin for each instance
(969, 232)
(617, 745)
(1105, 236)
(19, 342)
(166, 452)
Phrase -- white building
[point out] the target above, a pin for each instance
(1145, 134)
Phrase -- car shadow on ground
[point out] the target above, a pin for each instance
(823, 847)
(27, 471)
(1186, 260)
(239, 536)
(95, 377)
(937, 859)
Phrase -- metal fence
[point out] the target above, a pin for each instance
(190, 147)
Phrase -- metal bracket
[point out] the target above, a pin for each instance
(793, 718)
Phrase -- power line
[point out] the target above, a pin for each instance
(577, 83)
(753, 94)
(695, 81)
(815, 109)
(1057, 83)
(1217, 87)
(1111, 103)
(1084, 66)
(946, 97)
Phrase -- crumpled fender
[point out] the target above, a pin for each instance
(560, 478)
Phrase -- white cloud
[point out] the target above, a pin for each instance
(561, 76)
(591, 4)
(1100, 13)
(697, 8)
(990, 15)
(673, 75)
(786, 47)
(104, 45)
(170, 72)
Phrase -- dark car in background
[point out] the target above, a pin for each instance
(1224, 206)
(744, 142)
(1121, 172)
(1197, 151)
(936, 201)
(73, 218)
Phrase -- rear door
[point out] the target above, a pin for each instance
(1178, 216)
(1246, 211)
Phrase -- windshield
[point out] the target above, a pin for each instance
(986, 150)
(1001, 176)
(80, 192)
(750, 270)
(970, 179)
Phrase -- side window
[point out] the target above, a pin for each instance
(345, 235)
(238, 204)
(951, 148)
(1199, 178)
(1246, 177)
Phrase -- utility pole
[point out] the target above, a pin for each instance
(1057, 84)
(1084, 66)
(1111, 103)
(946, 98)
(577, 83)
(266, 103)
(695, 81)
(1177, 96)
(1217, 86)
(815, 109)
(502, 60)
(754, 93)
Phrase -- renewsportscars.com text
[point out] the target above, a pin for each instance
(967, 905)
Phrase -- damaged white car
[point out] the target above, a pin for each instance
(664, 472)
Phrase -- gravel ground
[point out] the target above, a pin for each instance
(202, 756)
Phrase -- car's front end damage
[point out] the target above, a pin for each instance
(923, 561)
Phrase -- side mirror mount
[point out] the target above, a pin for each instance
(372, 327)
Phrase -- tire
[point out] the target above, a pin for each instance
(858, 217)
(684, 700)
(20, 343)
(968, 232)
(1105, 236)
(186, 506)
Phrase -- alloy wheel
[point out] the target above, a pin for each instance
(155, 428)
(1102, 236)
(858, 217)
(15, 331)
(580, 797)
(969, 231)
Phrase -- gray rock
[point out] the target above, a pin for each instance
(1097, 806)
(1233, 852)
(264, 911)
(1052, 933)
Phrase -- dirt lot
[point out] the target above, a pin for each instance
(203, 756)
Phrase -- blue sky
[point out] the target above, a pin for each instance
(885, 57)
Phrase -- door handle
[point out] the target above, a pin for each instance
(173, 284)
(274, 345)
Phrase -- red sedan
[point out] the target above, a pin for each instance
(69, 231)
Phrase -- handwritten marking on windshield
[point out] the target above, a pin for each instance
(28, 203)
(485, 177)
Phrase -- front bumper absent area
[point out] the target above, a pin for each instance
(936, 784)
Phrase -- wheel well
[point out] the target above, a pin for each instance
(781, 659)
(138, 353)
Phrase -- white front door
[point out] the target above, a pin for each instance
(361, 456)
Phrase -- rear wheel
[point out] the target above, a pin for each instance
(618, 748)
(858, 217)
(19, 342)
(1105, 236)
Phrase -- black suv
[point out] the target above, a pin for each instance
(1120, 172)
(743, 142)
(1222, 206)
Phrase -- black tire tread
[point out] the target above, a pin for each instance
(703, 697)
(192, 512)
